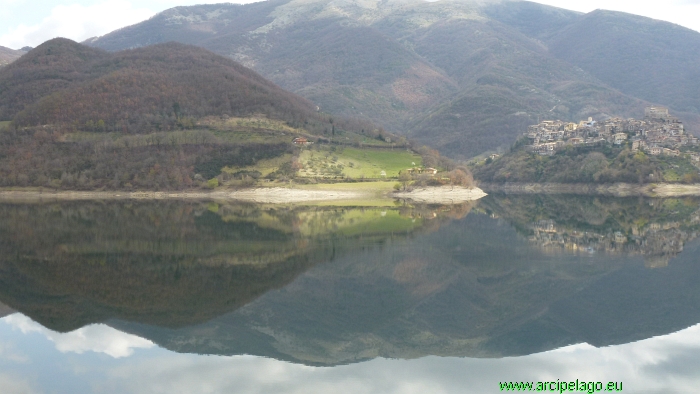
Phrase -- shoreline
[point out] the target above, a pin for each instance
(442, 194)
(260, 195)
(295, 195)
(614, 189)
(269, 195)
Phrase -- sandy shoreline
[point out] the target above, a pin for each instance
(616, 189)
(429, 195)
(442, 194)
(269, 195)
(260, 195)
(278, 195)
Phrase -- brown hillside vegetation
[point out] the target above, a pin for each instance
(170, 116)
(56, 65)
(62, 82)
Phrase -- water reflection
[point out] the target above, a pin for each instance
(340, 285)
(173, 265)
(656, 229)
(473, 288)
(666, 364)
(97, 338)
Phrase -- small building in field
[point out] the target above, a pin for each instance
(300, 141)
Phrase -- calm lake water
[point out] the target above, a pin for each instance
(182, 297)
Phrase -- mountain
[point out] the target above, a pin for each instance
(168, 116)
(646, 58)
(63, 82)
(55, 65)
(463, 76)
(8, 55)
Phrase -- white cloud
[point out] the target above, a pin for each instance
(77, 22)
(97, 338)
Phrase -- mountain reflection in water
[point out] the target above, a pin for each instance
(338, 285)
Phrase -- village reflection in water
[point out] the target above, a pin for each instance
(656, 229)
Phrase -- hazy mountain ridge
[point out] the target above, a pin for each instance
(535, 20)
(650, 59)
(508, 81)
(8, 55)
(419, 67)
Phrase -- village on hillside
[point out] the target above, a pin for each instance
(657, 134)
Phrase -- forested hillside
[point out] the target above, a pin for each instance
(169, 116)
(62, 82)
(463, 76)
(604, 164)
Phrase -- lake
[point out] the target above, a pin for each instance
(392, 297)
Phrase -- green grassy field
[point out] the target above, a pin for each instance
(356, 163)
(4, 124)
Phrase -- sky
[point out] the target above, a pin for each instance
(31, 22)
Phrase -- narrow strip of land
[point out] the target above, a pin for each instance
(270, 195)
(442, 194)
(613, 189)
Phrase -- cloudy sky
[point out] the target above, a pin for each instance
(31, 22)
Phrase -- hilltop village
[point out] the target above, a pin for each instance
(657, 134)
